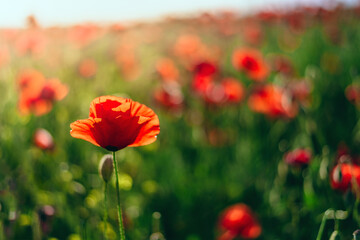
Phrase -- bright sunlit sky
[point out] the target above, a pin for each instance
(51, 12)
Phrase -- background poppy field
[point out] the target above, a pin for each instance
(259, 110)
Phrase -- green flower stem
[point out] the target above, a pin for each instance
(105, 211)
(121, 224)
(322, 226)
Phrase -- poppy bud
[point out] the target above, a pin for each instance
(106, 167)
(43, 139)
(356, 234)
(156, 235)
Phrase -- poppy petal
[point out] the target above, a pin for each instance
(82, 129)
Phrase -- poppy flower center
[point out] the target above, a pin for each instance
(47, 93)
(111, 148)
(250, 63)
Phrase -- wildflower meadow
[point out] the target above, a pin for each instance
(215, 126)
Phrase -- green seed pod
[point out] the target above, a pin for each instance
(106, 167)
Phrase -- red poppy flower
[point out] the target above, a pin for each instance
(37, 94)
(251, 62)
(298, 157)
(43, 139)
(186, 45)
(87, 68)
(169, 95)
(273, 101)
(115, 123)
(167, 69)
(31, 42)
(253, 33)
(204, 77)
(239, 220)
(343, 175)
(205, 69)
(352, 93)
(282, 64)
(234, 90)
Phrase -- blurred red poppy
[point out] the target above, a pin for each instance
(282, 64)
(82, 35)
(251, 62)
(205, 69)
(37, 94)
(167, 69)
(298, 157)
(253, 33)
(115, 123)
(239, 221)
(127, 60)
(273, 101)
(344, 175)
(31, 42)
(186, 45)
(234, 90)
(169, 95)
(203, 76)
(87, 68)
(352, 93)
(43, 139)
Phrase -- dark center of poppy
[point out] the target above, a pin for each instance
(250, 63)
(111, 148)
(47, 93)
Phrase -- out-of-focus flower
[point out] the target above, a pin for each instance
(169, 95)
(252, 33)
(239, 221)
(234, 90)
(296, 21)
(37, 94)
(167, 69)
(127, 61)
(345, 176)
(115, 123)
(190, 50)
(30, 42)
(251, 62)
(300, 91)
(87, 68)
(282, 64)
(352, 93)
(83, 35)
(298, 157)
(186, 45)
(203, 76)
(273, 101)
(43, 139)
(268, 16)
(46, 214)
(226, 23)
(205, 69)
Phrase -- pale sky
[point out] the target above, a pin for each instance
(65, 12)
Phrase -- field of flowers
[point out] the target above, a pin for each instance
(259, 128)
